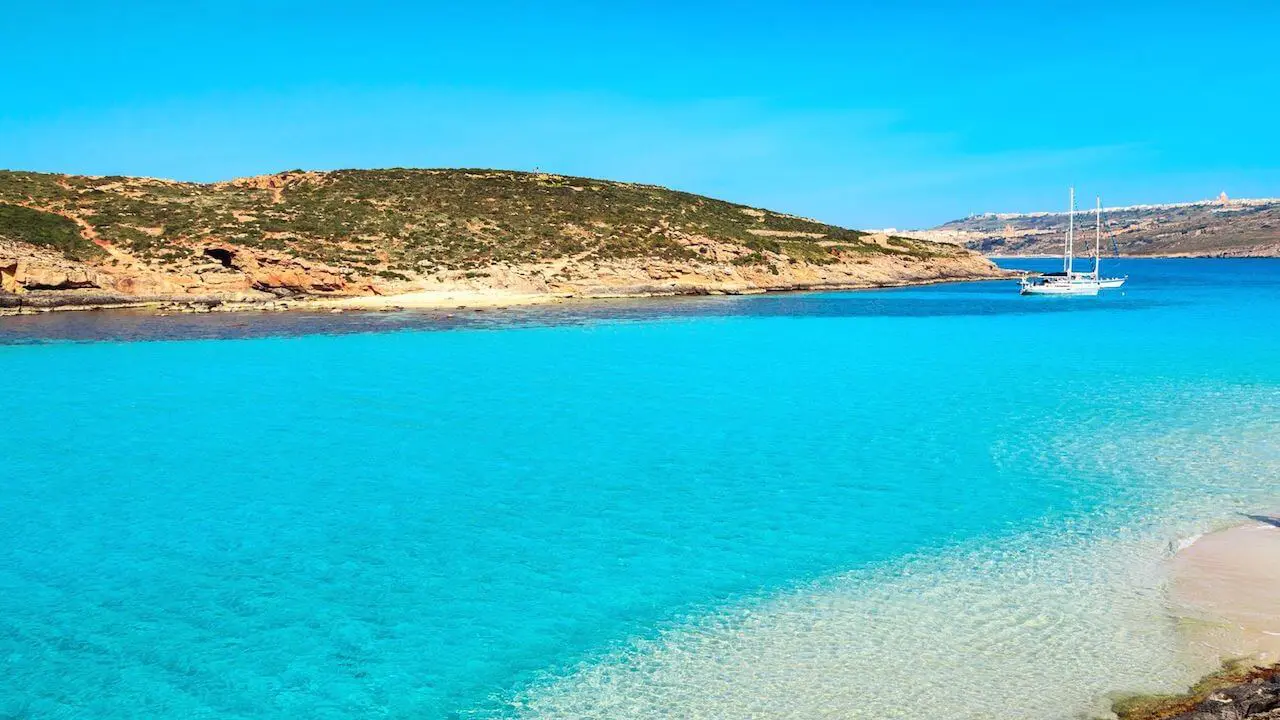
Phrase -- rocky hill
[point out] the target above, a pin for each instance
(1211, 228)
(79, 239)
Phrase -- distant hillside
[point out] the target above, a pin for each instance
(354, 232)
(1218, 228)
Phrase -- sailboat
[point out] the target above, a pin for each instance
(1067, 282)
(1103, 283)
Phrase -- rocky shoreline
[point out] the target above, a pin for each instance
(1236, 692)
(501, 287)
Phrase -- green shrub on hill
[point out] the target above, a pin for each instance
(403, 221)
(46, 230)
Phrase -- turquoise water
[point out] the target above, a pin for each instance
(423, 515)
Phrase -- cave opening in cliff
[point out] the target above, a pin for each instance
(221, 255)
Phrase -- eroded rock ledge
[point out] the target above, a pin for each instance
(245, 281)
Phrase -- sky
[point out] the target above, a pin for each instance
(892, 114)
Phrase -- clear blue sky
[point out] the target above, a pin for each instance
(896, 113)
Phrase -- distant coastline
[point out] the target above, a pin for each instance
(1222, 227)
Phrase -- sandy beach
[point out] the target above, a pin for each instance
(436, 299)
(1225, 591)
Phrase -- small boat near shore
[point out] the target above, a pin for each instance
(1070, 282)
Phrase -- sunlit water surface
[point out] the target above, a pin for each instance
(945, 502)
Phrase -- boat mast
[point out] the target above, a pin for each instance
(1097, 240)
(1071, 230)
(1070, 235)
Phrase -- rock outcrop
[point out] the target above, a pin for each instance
(1237, 693)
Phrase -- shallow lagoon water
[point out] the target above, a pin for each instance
(788, 504)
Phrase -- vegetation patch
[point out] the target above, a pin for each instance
(47, 230)
(409, 221)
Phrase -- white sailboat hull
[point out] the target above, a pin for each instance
(1060, 288)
